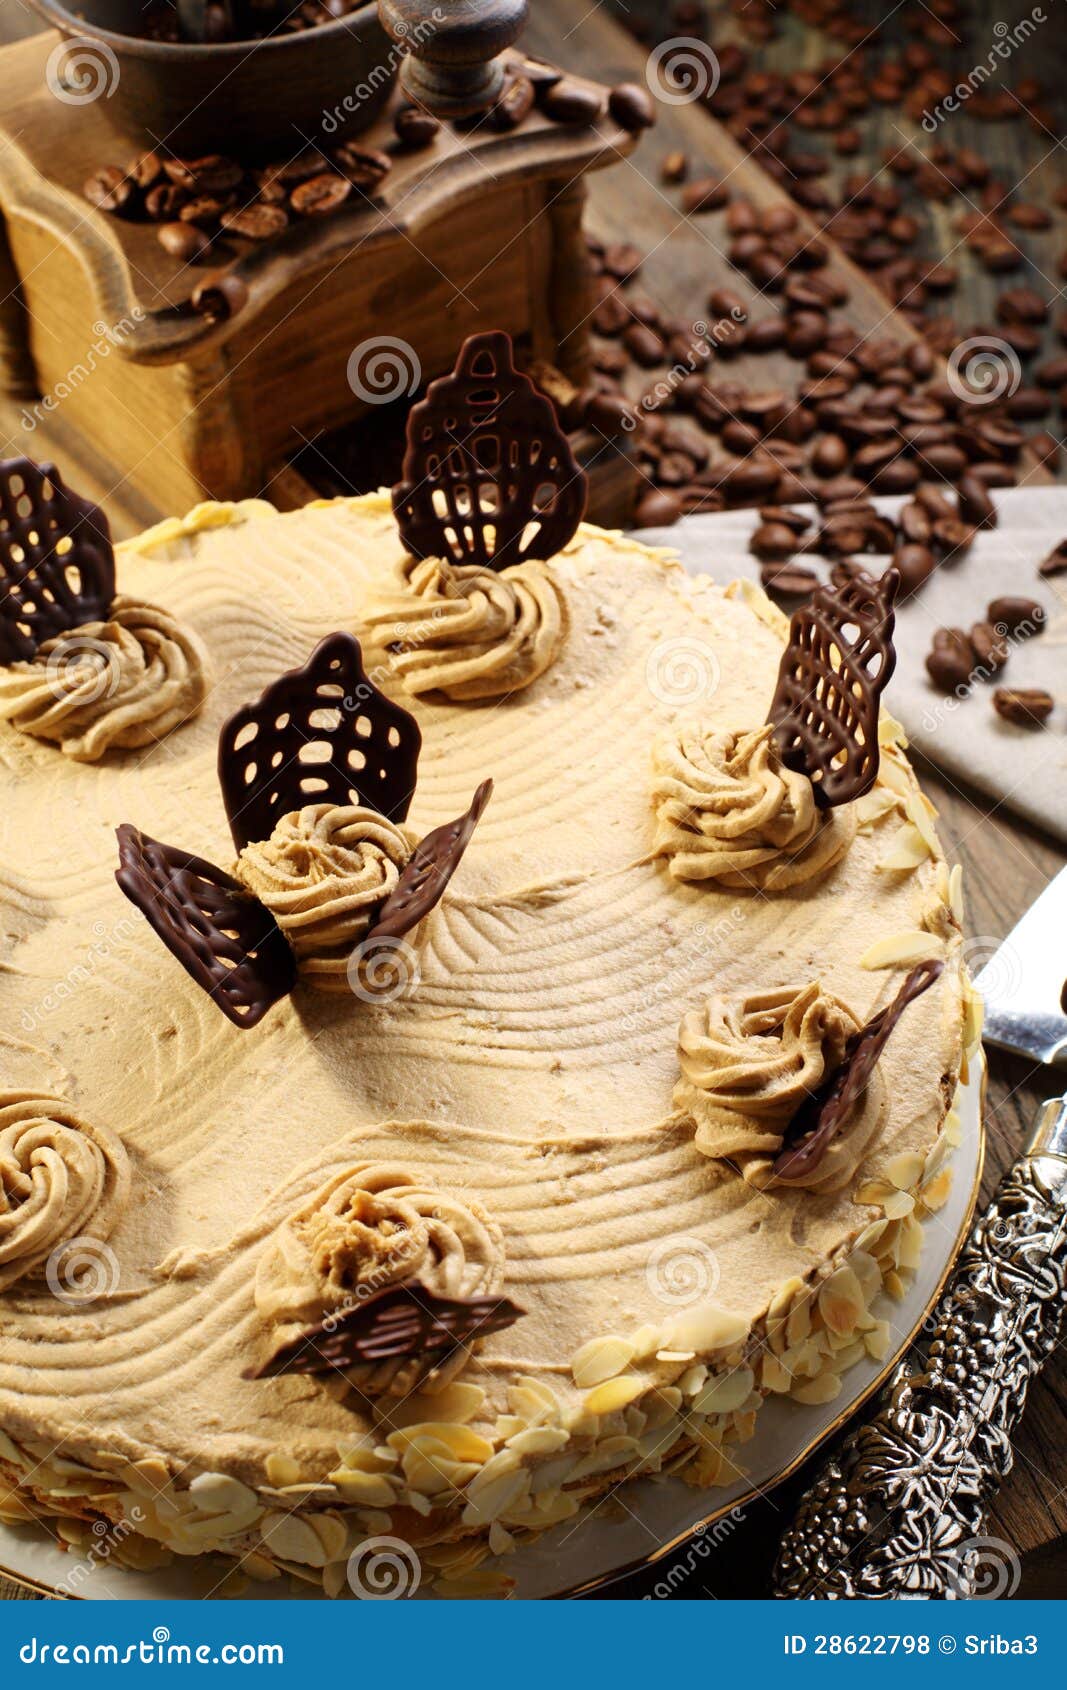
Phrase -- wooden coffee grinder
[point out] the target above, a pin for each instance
(252, 371)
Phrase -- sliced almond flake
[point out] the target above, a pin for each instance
(907, 851)
(675, 1355)
(895, 1286)
(935, 1193)
(841, 1300)
(902, 950)
(911, 1244)
(898, 1204)
(876, 1341)
(484, 1585)
(692, 1379)
(850, 1355)
(501, 1541)
(822, 1389)
(973, 1016)
(905, 1171)
(367, 1490)
(922, 815)
(707, 1328)
(614, 1394)
(457, 1443)
(493, 1499)
(722, 1394)
(458, 1402)
(761, 606)
(282, 1470)
(871, 1234)
(773, 1375)
(600, 1359)
(953, 1129)
(873, 807)
(890, 732)
(538, 1440)
(646, 1340)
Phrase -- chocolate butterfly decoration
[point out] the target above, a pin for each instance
(391, 1325)
(833, 672)
(825, 1110)
(320, 734)
(489, 477)
(57, 564)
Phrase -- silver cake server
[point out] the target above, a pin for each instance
(899, 1510)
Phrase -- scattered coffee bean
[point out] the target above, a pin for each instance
(657, 508)
(1024, 707)
(572, 102)
(1020, 617)
(319, 196)
(183, 241)
(951, 660)
(109, 189)
(632, 107)
(1056, 562)
(707, 194)
(219, 297)
(256, 222)
(674, 169)
(415, 128)
(990, 648)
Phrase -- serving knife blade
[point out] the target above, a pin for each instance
(899, 1510)
(1023, 986)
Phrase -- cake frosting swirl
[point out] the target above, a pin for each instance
(60, 1178)
(728, 810)
(373, 1226)
(120, 684)
(747, 1065)
(471, 632)
(323, 874)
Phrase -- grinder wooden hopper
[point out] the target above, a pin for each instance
(257, 387)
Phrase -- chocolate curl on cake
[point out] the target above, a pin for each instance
(826, 1110)
(489, 477)
(400, 1322)
(322, 734)
(57, 564)
(222, 935)
(833, 672)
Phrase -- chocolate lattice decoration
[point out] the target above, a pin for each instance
(45, 592)
(322, 734)
(824, 1111)
(392, 1325)
(432, 864)
(489, 477)
(223, 937)
(833, 672)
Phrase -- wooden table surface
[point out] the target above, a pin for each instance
(1006, 864)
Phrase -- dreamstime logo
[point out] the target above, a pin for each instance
(1007, 37)
(383, 1569)
(983, 370)
(106, 338)
(682, 671)
(409, 36)
(82, 1269)
(383, 369)
(1000, 963)
(108, 1537)
(984, 1568)
(682, 1270)
(682, 70)
(80, 71)
(82, 669)
(382, 970)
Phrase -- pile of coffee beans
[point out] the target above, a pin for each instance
(247, 20)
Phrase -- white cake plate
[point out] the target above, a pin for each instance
(643, 1522)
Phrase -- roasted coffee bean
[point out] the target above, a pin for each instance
(632, 107)
(914, 523)
(916, 564)
(657, 508)
(1056, 562)
(109, 189)
(990, 647)
(513, 104)
(740, 437)
(572, 102)
(789, 580)
(622, 260)
(772, 540)
(830, 455)
(164, 202)
(724, 302)
(214, 174)
(364, 167)
(1052, 373)
(765, 335)
(1024, 707)
(205, 210)
(950, 661)
(608, 413)
(898, 475)
(1028, 404)
(952, 537)
(795, 521)
(741, 217)
(1021, 305)
(975, 506)
(709, 193)
(320, 196)
(219, 297)
(674, 169)
(946, 461)
(695, 499)
(750, 481)
(415, 128)
(643, 344)
(145, 171)
(256, 222)
(183, 241)
(612, 316)
(1020, 617)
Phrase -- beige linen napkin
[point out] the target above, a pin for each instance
(1025, 769)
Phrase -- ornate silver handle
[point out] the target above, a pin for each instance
(898, 1511)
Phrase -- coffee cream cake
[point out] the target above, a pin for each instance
(570, 1101)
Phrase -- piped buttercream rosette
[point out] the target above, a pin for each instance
(729, 811)
(317, 777)
(468, 631)
(748, 1064)
(62, 1179)
(79, 666)
(374, 1229)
